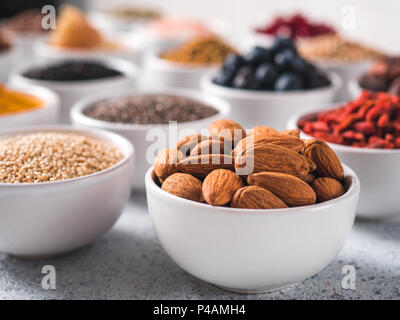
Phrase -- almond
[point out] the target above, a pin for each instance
(228, 130)
(253, 197)
(327, 188)
(185, 186)
(186, 144)
(309, 178)
(220, 185)
(290, 189)
(262, 130)
(202, 165)
(269, 157)
(291, 132)
(211, 147)
(165, 163)
(328, 163)
(289, 142)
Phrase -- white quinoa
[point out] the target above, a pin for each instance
(53, 156)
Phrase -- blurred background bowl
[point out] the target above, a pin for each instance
(251, 108)
(72, 91)
(48, 113)
(138, 134)
(378, 171)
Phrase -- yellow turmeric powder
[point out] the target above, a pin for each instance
(15, 101)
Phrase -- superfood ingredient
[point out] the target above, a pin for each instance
(326, 161)
(164, 164)
(253, 197)
(53, 156)
(134, 13)
(186, 144)
(27, 22)
(275, 68)
(336, 48)
(201, 50)
(227, 130)
(370, 121)
(75, 31)
(327, 188)
(290, 189)
(185, 186)
(177, 28)
(202, 165)
(12, 102)
(72, 71)
(220, 185)
(295, 26)
(383, 75)
(277, 176)
(262, 130)
(150, 109)
(269, 157)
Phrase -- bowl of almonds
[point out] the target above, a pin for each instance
(251, 211)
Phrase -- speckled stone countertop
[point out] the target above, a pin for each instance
(129, 263)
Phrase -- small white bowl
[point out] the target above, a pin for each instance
(251, 108)
(247, 250)
(72, 91)
(8, 58)
(138, 134)
(378, 171)
(163, 73)
(347, 72)
(25, 43)
(354, 88)
(46, 219)
(46, 114)
(132, 49)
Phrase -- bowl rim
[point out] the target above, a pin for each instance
(207, 85)
(129, 71)
(77, 115)
(353, 189)
(49, 97)
(123, 144)
(294, 119)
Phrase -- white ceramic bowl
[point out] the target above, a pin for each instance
(72, 91)
(251, 250)
(251, 108)
(378, 171)
(354, 88)
(132, 49)
(51, 218)
(347, 72)
(7, 60)
(163, 73)
(46, 114)
(142, 136)
(25, 43)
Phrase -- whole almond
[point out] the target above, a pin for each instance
(220, 185)
(185, 186)
(165, 163)
(289, 142)
(290, 189)
(253, 197)
(202, 165)
(262, 130)
(228, 130)
(186, 144)
(269, 157)
(291, 132)
(327, 188)
(328, 163)
(211, 147)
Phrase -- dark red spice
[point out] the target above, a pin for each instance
(370, 121)
(296, 26)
